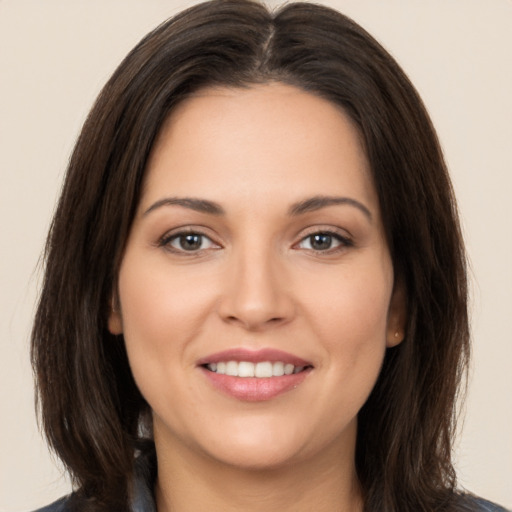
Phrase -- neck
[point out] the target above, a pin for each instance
(189, 481)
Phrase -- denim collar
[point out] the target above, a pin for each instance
(145, 476)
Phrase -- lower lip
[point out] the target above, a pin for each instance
(252, 389)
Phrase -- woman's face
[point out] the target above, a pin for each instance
(257, 249)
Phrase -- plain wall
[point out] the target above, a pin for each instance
(55, 56)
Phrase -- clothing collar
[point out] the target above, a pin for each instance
(145, 476)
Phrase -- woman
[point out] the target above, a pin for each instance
(255, 290)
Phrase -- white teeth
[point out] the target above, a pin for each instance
(264, 369)
(278, 369)
(232, 368)
(245, 369)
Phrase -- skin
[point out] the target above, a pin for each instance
(256, 281)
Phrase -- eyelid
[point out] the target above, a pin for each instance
(341, 236)
(345, 240)
(165, 240)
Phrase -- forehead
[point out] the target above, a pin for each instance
(256, 140)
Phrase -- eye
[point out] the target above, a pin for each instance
(187, 242)
(323, 241)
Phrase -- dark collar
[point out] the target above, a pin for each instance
(145, 477)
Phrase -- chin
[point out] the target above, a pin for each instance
(251, 444)
(256, 458)
(274, 444)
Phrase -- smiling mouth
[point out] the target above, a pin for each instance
(254, 375)
(261, 370)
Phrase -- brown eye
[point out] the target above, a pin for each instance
(187, 242)
(190, 242)
(323, 241)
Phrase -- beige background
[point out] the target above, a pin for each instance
(56, 54)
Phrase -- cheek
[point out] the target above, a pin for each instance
(158, 304)
(162, 311)
(349, 316)
(354, 335)
(353, 308)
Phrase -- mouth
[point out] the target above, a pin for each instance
(254, 375)
(261, 370)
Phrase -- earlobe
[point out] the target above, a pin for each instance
(115, 323)
(396, 316)
(394, 339)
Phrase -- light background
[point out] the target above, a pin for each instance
(54, 57)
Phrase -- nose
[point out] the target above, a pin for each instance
(256, 292)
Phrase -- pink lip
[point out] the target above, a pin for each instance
(253, 356)
(251, 389)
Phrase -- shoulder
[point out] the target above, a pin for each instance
(487, 506)
(480, 505)
(143, 500)
(60, 505)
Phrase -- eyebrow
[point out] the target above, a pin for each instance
(318, 202)
(199, 205)
(307, 205)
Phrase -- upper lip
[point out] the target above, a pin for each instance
(253, 356)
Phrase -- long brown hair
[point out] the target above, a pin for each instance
(91, 409)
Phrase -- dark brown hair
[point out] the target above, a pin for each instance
(90, 406)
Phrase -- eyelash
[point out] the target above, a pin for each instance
(343, 241)
(166, 242)
(167, 239)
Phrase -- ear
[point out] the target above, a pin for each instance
(115, 321)
(397, 315)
